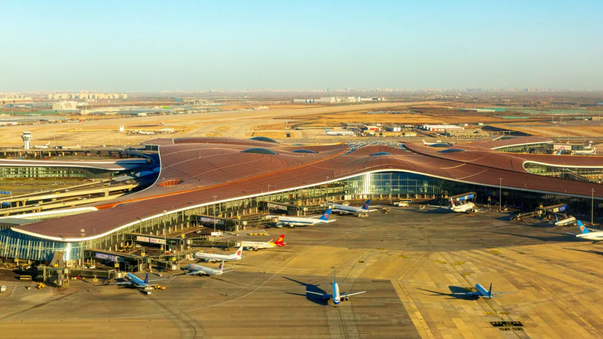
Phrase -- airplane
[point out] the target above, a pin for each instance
(45, 146)
(146, 132)
(588, 234)
(482, 293)
(591, 152)
(300, 221)
(202, 270)
(343, 209)
(209, 257)
(436, 144)
(341, 133)
(590, 146)
(256, 245)
(134, 281)
(564, 222)
(336, 296)
(467, 207)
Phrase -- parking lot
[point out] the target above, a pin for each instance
(408, 261)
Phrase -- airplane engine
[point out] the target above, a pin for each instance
(346, 299)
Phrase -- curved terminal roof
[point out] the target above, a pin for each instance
(194, 170)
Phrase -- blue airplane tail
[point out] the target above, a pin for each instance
(146, 278)
(583, 228)
(366, 205)
(490, 291)
(326, 130)
(326, 215)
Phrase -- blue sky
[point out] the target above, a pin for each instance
(165, 45)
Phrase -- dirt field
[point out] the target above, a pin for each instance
(225, 123)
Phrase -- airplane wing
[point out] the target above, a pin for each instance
(122, 283)
(466, 293)
(497, 293)
(151, 280)
(324, 295)
(352, 293)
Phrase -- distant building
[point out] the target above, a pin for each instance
(439, 128)
(64, 106)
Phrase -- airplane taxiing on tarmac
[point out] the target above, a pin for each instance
(335, 295)
(209, 257)
(481, 292)
(343, 209)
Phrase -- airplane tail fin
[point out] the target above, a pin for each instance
(239, 252)
(279, 242)
(326, 130)
(326, 215)
(146, 278)
(221, 267)
(424, 143)
(490, 291)
(583, 228)
(366, 205)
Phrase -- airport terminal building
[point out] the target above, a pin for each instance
(233, 180)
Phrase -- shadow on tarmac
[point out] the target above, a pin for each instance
(309, 287)
(453, 290)
(559, 237)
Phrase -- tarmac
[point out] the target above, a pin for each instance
(409, 261)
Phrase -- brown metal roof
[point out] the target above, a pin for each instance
(221, 170)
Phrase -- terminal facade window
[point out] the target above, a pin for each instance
(54, 172)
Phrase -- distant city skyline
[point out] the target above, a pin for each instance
(153, 46)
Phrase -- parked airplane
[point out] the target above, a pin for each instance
(585, 152)
(45, 146)
(343, 209)
(588, 234)
(341, 133)
(336, 296)
(256, 245)
(301, 221)
(436, 144)
(134, 281)
(209, 257)
(467, 207)
(565, 222)
(202, 270)
(146, 132)
(590, 146)
(482, 293)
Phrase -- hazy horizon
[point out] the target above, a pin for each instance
(158, 46)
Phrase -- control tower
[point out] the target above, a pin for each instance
(26, 139)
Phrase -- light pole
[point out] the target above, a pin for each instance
(215, 196)
(500, 193)
(268, 188)
(82, 233)
(592, 206)
(139, 225)
(164, 232)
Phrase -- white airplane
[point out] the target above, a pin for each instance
(146, 132)
(336, 296)
(301, 221)
(134, 281)
(343, 209)
(209, 257)
(590, 152)
(588, 234)
(565, 222)
(341, 133)
(256, 245)
(45, 146)
(481, 292)
(202, 270)
(436, 144)
(467, 207)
